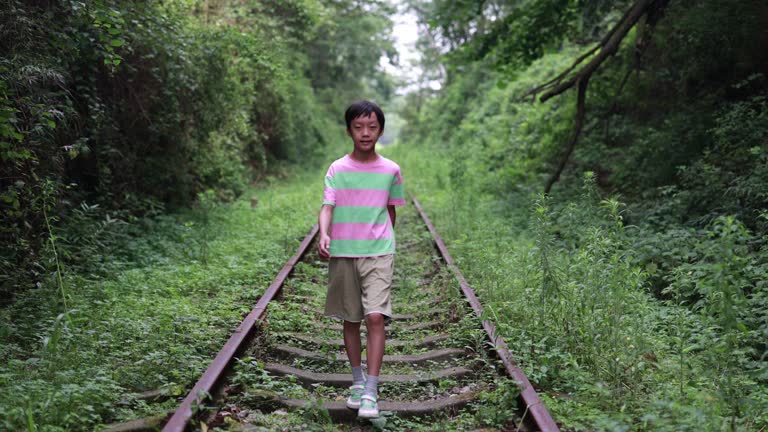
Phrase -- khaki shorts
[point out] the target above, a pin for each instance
(359, 286)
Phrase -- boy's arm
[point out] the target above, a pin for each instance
(392, 214)
(324, 224)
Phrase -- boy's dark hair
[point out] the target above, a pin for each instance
(363, 108)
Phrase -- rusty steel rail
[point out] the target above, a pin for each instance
(212, 377)
(215, 372)
(533, 404)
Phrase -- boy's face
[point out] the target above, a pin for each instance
(365, 131)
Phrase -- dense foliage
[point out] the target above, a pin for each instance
(177, 285)
(110, 109)
(636, 296)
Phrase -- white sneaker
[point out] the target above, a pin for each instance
(356, 391)
(369, 407)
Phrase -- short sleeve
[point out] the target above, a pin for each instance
(396, 192)
(329, 193)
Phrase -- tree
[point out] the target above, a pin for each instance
(652, 10)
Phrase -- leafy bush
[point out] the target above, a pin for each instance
(158, 307)
(569, 287)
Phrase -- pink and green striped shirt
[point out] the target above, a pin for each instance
(360, 193)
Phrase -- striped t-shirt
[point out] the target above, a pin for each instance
(361, 192)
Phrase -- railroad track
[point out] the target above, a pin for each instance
(284, 368)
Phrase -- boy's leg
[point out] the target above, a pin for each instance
(376, 340)
(353, 344)
(343, 301)
(375, 351)
(369, 407)
(376, 275)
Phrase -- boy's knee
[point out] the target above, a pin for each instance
(375, 319)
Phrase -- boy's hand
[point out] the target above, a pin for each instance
(324, 224)
(324, 246)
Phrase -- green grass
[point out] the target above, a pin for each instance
(153, 315)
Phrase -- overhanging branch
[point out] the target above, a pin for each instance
(580, 114)
(607, 47)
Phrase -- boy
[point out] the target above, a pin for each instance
(357, 222)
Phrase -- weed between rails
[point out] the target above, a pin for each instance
(421, 283)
